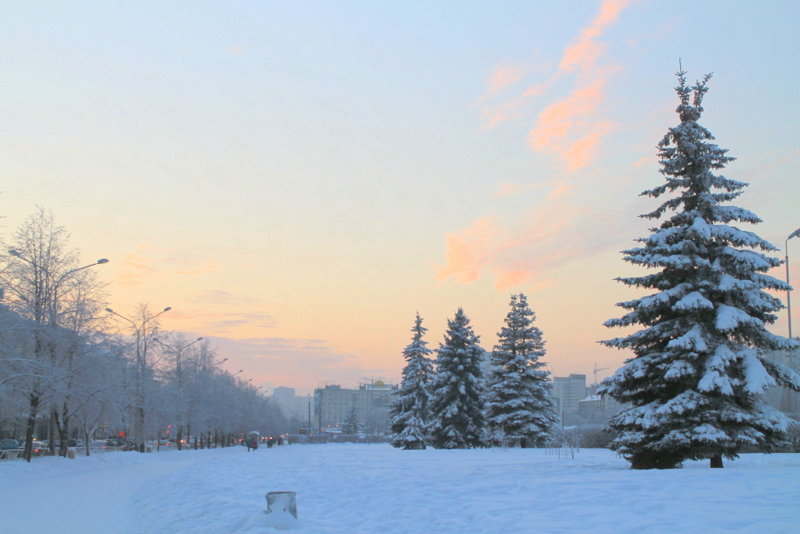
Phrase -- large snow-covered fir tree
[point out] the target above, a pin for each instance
(409, 409)
(694, 386)
(517, 400)
(456, 406)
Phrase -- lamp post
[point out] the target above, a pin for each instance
(796, 233)
(141, 369)
(179, 372)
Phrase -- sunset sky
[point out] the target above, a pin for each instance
(297, 179)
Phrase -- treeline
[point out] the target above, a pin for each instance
(71, 367)
(456, 401)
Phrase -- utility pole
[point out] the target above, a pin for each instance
(308, 428)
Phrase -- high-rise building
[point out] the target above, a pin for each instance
(568, 392)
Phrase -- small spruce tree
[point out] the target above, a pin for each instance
(694, 386)
(351, 423)
(518, 402)
(409, 410)
(456, 405)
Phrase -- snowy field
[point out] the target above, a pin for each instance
(375, 488)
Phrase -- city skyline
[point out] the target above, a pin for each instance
(297, 181)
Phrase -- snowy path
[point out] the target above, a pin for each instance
(94, 494)
(374, 488)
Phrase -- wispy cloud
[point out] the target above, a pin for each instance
(151, 262)
(527, 249)
(571, 126)
(296, 361)
(505, 75)
(507, 189)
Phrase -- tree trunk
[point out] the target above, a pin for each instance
(54, 430)
(716, 461)
(30, 427)
(63, 430)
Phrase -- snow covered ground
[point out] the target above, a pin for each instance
(375, 488)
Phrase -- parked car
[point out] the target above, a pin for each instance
(8, 444)
(98, 444)
(38, 448)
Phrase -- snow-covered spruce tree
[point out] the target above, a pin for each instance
(456, 414)
(694, 386)
(409, 409)
(517, 400)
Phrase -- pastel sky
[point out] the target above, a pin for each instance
(297, 179)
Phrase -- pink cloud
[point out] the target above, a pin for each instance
(507, 189)
(506, 75)
(557, 120)
(148, 262)
(560, 189)
(569, 127)
(581, 152)
(468, 251)
(587, 50)
(528, 249)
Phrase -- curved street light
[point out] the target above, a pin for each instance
(53, 298)
(796, 233)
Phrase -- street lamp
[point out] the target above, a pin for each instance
(57, 284)
(141, 368)
(796, 233)
(51, 293)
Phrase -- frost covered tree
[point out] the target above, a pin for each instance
(694, 386)
(410, 406)
(456, 406)
(517, 401)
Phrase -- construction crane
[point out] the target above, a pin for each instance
(596, 371)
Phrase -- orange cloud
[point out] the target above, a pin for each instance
(526, 250)
(507, 189)
(587, 50)
(147, 262)
(581, 152)
(506, 75)
(569, 127)
(557, 120)
(561, 188)
(468, 251)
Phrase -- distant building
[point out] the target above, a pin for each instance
(294, 407)
(597, 409)
(568, 392)
(370, 401)
(782, 398)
